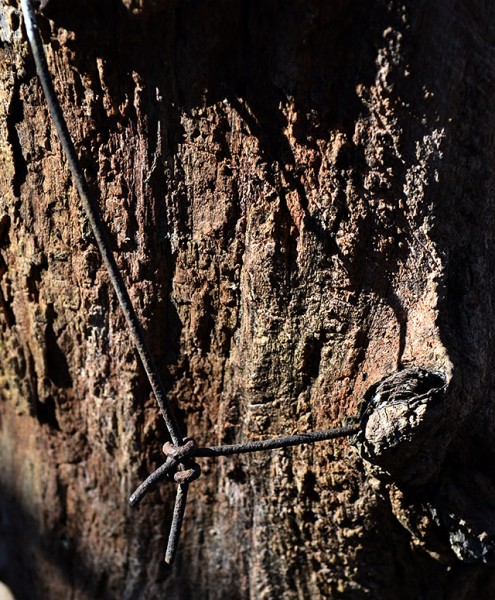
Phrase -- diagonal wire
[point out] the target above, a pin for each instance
(99, 230)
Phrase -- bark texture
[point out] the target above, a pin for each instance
(301, 198)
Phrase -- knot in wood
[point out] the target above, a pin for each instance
(401, 419)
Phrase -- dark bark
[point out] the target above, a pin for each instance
(301, 200)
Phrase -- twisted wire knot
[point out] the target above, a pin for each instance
(186, 470)
(178, 467)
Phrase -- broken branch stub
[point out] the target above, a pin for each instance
(403, 429)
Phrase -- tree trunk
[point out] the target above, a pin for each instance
(300, 197)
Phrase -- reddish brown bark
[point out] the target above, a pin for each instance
(301, 200)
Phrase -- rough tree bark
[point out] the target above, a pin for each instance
(301, 198)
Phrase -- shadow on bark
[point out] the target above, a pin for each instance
(258, 57)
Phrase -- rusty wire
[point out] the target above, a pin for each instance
(179, 465)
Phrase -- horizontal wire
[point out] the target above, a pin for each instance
(167, 468)
(274, 443)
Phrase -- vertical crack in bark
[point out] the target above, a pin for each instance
(15, 115)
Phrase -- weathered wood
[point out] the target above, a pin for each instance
(301, 199)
